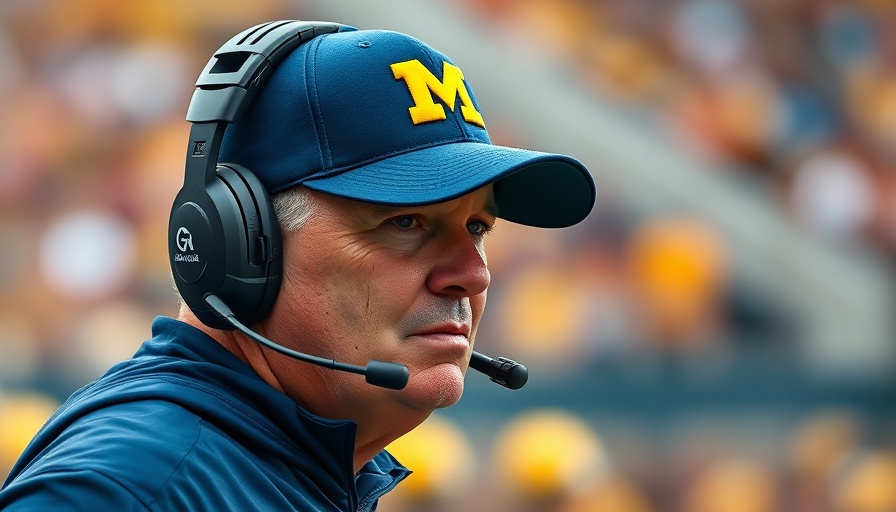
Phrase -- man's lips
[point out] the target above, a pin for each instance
(450, 329)
(451, 337)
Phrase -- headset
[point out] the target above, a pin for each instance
(224, 241)
(223, 235)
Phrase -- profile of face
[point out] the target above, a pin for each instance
(364, 281)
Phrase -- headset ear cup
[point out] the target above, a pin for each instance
(225, 239)
(254, 255)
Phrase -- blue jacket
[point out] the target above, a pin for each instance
(186, 425)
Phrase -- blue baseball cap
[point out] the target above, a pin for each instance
(380, 117)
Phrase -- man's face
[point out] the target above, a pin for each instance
(403, 284)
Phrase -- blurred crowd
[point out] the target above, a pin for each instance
(795, 98)
(547, 459)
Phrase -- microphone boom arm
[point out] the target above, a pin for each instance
(379, 373)
(500, 370)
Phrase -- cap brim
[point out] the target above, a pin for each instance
(532, 188)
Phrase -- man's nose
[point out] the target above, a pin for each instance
(460, 269)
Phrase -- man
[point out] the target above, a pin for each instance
(384, 184)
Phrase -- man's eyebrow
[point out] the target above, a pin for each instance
(491, 207)
(383, 210)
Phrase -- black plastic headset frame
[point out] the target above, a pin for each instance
(223, 213)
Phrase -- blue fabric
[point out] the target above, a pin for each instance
(334, 117)
(185, 425)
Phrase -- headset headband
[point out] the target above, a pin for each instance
(231, 80)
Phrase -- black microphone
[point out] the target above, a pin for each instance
(379, 373)
(500, 370)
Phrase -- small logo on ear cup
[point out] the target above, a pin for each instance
(192, 243)
(184, 240)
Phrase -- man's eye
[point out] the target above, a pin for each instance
(478, 228)
(405, 222)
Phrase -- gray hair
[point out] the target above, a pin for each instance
(293, 207)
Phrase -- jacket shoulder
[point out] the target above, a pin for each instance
(131, 449)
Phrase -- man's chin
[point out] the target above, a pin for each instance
(434, 387)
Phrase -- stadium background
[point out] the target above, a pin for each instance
(716, 337)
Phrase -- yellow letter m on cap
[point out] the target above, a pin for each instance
(422, 84)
